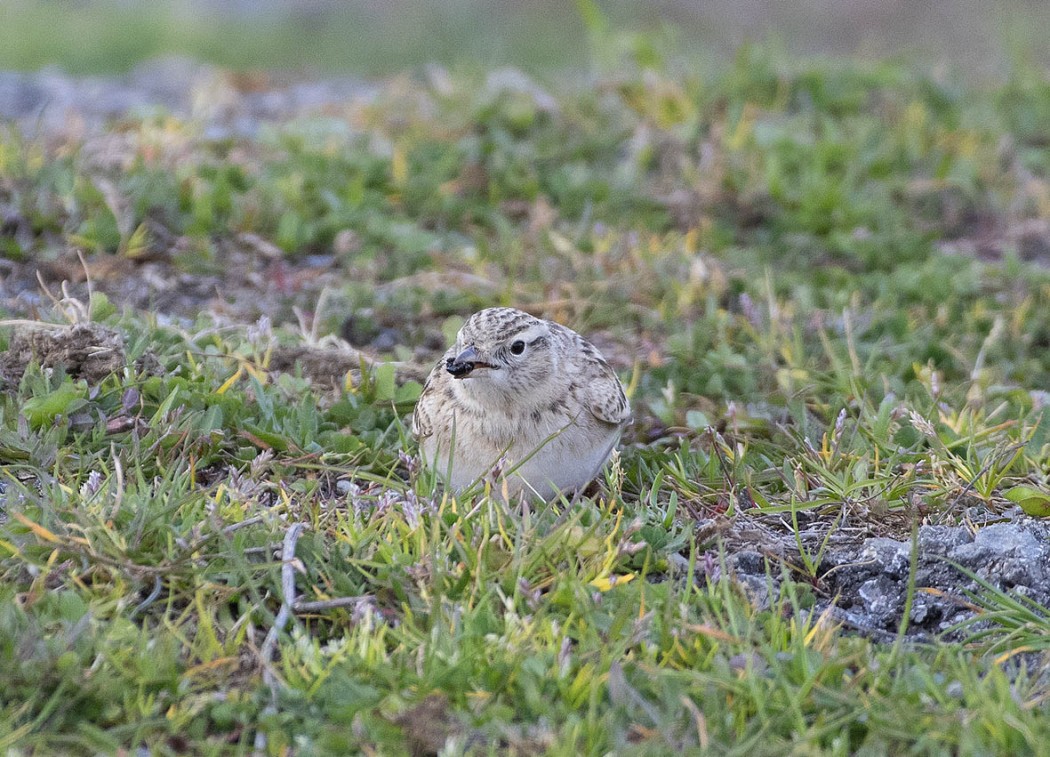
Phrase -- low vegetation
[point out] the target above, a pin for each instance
(826, 285)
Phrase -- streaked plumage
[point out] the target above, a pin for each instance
(528, 390)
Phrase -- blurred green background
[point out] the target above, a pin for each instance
(974, 37)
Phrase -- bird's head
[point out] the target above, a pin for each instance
(503, 348)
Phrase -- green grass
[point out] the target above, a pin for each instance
(104, 36)
(365, 38)
(770, 243)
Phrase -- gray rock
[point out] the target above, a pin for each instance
(54, 102)
(893, 556)
(879, 596)
(940, 540)
(867, 579)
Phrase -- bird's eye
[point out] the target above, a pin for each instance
(518, 347)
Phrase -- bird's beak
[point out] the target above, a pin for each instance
(463, 364)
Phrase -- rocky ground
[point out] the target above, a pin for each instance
(862, 580)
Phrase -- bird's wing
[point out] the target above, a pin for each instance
(603, 393)
(422, 416)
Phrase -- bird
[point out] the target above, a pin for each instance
(522, 396)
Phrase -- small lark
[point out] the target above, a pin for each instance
(530, 392)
